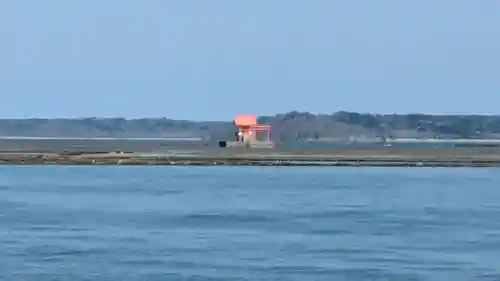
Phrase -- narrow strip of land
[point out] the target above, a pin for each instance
(159, 153)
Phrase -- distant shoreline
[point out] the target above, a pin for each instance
(100, 138)
(285, 127)
(89, 159)
(126, 152)
(193, 139)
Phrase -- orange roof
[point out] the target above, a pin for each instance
(245, 120)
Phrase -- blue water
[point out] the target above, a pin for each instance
(362, 145)
(248, 223)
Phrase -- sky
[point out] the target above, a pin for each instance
(208, 60)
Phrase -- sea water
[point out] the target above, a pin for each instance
(248, 223)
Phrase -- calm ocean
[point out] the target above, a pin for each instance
(248, 223)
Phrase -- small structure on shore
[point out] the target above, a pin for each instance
(247, 133)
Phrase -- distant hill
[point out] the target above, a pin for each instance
(286, 127)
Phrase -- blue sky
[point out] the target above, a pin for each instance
(211, 59)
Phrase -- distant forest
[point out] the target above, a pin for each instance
(286, 127)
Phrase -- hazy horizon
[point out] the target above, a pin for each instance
(230, 118)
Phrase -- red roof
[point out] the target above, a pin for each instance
(245, 120)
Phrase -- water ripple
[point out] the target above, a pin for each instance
(132, 223)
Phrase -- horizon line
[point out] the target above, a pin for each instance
(230, 118)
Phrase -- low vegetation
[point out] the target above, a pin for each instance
(286, 127)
